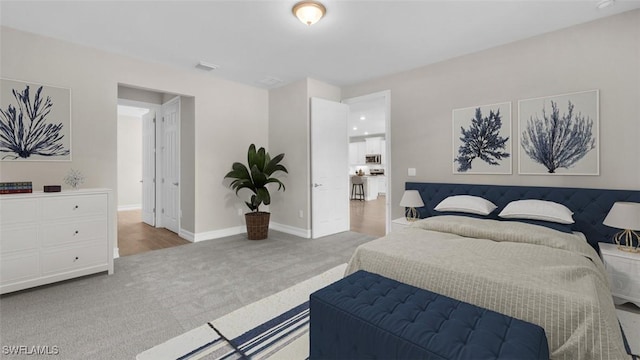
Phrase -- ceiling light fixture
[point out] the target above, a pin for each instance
(309, 12)
(362, 117)
(604, 3)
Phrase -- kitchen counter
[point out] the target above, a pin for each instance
(373, 186)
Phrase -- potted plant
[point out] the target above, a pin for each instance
(255, 177)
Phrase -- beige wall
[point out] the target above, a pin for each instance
(289, 134)
(129, 161)
(228, 116)
(603, 55)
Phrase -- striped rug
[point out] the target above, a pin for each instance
(275, 327)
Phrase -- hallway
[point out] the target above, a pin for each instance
(136, 237)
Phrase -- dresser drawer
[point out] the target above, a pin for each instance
(74, 206)
(624, 277)
(18, 211)
(20, 266)
(16, 238)
(66, 258)
(54, 234)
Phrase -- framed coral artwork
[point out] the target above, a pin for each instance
(482, 139)
(559, 134)
(35, 122)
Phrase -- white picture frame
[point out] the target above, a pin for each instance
(575, 118)
(35, 122)
(494, 160)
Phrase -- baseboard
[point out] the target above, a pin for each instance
(129, 207)
(303, 233)
(187, 235)
(215, 234)
(116, 253)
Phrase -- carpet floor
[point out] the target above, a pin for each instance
(158, 295)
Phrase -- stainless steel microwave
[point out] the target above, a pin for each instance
(372, 158)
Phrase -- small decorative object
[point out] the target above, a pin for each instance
(74, 179)
(52, 188)
(35, 122)
(559, 134)
(626, 216)
(255, 178)
(482, 139)
(20, 187)
(411, 199)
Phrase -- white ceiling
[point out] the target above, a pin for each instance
(255, 40)
(367, 118)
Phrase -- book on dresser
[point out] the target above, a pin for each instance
(49, 237)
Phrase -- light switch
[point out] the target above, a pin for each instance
(412, 172)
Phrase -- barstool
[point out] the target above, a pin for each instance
(357, 188)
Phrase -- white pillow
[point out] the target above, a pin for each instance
(466, 204)
(537, 210)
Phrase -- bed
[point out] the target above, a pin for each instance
(533, 273)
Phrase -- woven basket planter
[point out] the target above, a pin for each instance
(257, 225)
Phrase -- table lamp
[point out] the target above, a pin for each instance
(625, 216)
(411, 200)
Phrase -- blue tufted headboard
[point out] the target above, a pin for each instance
(590, 206)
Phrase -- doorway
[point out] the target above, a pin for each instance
(148, 174)
(370, 160)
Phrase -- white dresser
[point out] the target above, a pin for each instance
(49, 237)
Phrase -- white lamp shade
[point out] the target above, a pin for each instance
(411, 198)
(624, 215)
(309, 12)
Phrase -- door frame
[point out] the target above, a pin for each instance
(386, 94)
(158, 109)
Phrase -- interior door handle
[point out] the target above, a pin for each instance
(175, 184)
(316, 185)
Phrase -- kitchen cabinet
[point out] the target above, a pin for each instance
(370, 188)
(373, 145)
(382, 184)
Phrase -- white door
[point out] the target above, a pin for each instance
(149, 167)
(329, 168)
(170, 154)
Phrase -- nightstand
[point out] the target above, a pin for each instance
(624, 272)
(399, 224)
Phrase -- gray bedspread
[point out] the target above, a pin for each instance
(539, 275)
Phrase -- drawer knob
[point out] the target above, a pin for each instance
(74, 260)
(76, 232)
(75, 207)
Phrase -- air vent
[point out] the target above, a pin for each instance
(203, 65)
(270, 81)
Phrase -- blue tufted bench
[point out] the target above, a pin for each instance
(368, 316)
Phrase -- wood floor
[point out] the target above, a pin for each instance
(136, 237)
(368, 217)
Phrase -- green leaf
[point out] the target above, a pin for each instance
(263, 195)
(276, 181)
(259, 178)
(256, 176)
